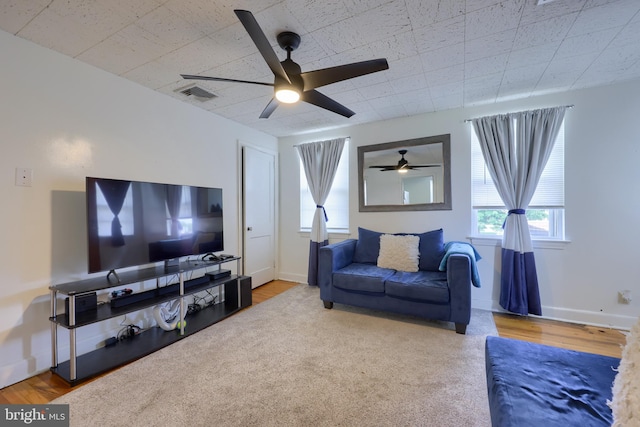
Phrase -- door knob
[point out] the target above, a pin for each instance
(249, 228)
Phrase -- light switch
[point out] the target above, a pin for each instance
(24, 177)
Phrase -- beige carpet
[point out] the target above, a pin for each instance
(291, 362)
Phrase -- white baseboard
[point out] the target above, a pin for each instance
(483, 304)
(23, 369)
(583, 317)
(594, 318)
(292, 277)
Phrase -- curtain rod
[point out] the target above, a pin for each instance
(565, 106)
(330, 139)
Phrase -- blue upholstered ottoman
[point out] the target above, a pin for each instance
(537, 385)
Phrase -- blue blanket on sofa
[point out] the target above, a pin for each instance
(465, 249)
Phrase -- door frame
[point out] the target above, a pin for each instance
(276, 195)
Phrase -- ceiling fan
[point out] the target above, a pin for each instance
(290, 83)
(403, 165)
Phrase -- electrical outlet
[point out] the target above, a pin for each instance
(624, 297)
(24, 177)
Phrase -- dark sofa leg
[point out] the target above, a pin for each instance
(461, 328)
(328, 304)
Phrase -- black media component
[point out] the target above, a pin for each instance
(132, 298)
(132, 223)
(84, 302)
(231, 293)
(219, 274)
(245, 291)
(175, 288)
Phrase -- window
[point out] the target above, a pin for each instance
(337, 204)
(546, 210)
(185, 218)
(105, 216)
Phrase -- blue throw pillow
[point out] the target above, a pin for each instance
(368, 246)
(431, 250)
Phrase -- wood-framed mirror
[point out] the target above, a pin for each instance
(408, 175)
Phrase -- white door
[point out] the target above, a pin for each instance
(258, 182)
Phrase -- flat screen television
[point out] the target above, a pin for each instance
(133, 223)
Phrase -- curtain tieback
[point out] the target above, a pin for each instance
(326, 219)
(513, 211)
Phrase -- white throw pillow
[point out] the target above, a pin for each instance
(399, 252)
(625, 403)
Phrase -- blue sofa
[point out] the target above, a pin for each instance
(439, 290)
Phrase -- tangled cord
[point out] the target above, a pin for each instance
(128, 331)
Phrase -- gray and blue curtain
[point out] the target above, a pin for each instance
(516, 148)
(115, 192)
(174, 201)
(320, 161)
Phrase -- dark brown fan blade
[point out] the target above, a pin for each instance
(318, 78)
(221, 79)
(271, 106)
(411, 167)
(316, 98)
(261, 42)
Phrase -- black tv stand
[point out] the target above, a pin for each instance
(172, 263)
(237, 295)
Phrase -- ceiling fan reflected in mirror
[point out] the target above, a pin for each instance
(290, 83)
(403, 165)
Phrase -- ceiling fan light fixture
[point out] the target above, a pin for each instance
(287, 94)
(290, 83)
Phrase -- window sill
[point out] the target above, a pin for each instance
(305, 232)
(537, 243)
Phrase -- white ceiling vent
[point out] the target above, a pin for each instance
(197, 92)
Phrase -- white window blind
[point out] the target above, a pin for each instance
(337, 204)
(184, 218)
(549, 193)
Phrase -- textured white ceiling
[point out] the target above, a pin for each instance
(442, 54)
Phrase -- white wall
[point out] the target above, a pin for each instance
(578, 281)
(66, 120)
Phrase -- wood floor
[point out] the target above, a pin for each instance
(590, 339)
(45, 387)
